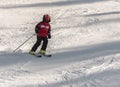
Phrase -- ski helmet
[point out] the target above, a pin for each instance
(46, 18)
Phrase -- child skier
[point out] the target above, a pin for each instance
(42, 30)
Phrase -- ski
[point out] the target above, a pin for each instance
(45, 55)
(40, 55)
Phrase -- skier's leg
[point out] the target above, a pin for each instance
(44, 45)
(37, 44)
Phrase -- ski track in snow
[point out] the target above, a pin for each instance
(85, 44)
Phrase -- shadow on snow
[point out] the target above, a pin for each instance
(59, 3)
(71, 55)
(93, 21)
(102, 14)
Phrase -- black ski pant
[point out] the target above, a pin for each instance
(38, 43)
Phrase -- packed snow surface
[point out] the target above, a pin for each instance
(85, 43)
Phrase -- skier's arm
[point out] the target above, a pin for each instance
(49, 33)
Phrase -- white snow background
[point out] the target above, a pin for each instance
(85, 43)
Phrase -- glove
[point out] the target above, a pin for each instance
(49, 36)
(36, 30)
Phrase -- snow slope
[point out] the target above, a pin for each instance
(85, 43)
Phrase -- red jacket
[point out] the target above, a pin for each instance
(43, 29)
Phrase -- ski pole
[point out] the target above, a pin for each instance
(24, 42)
